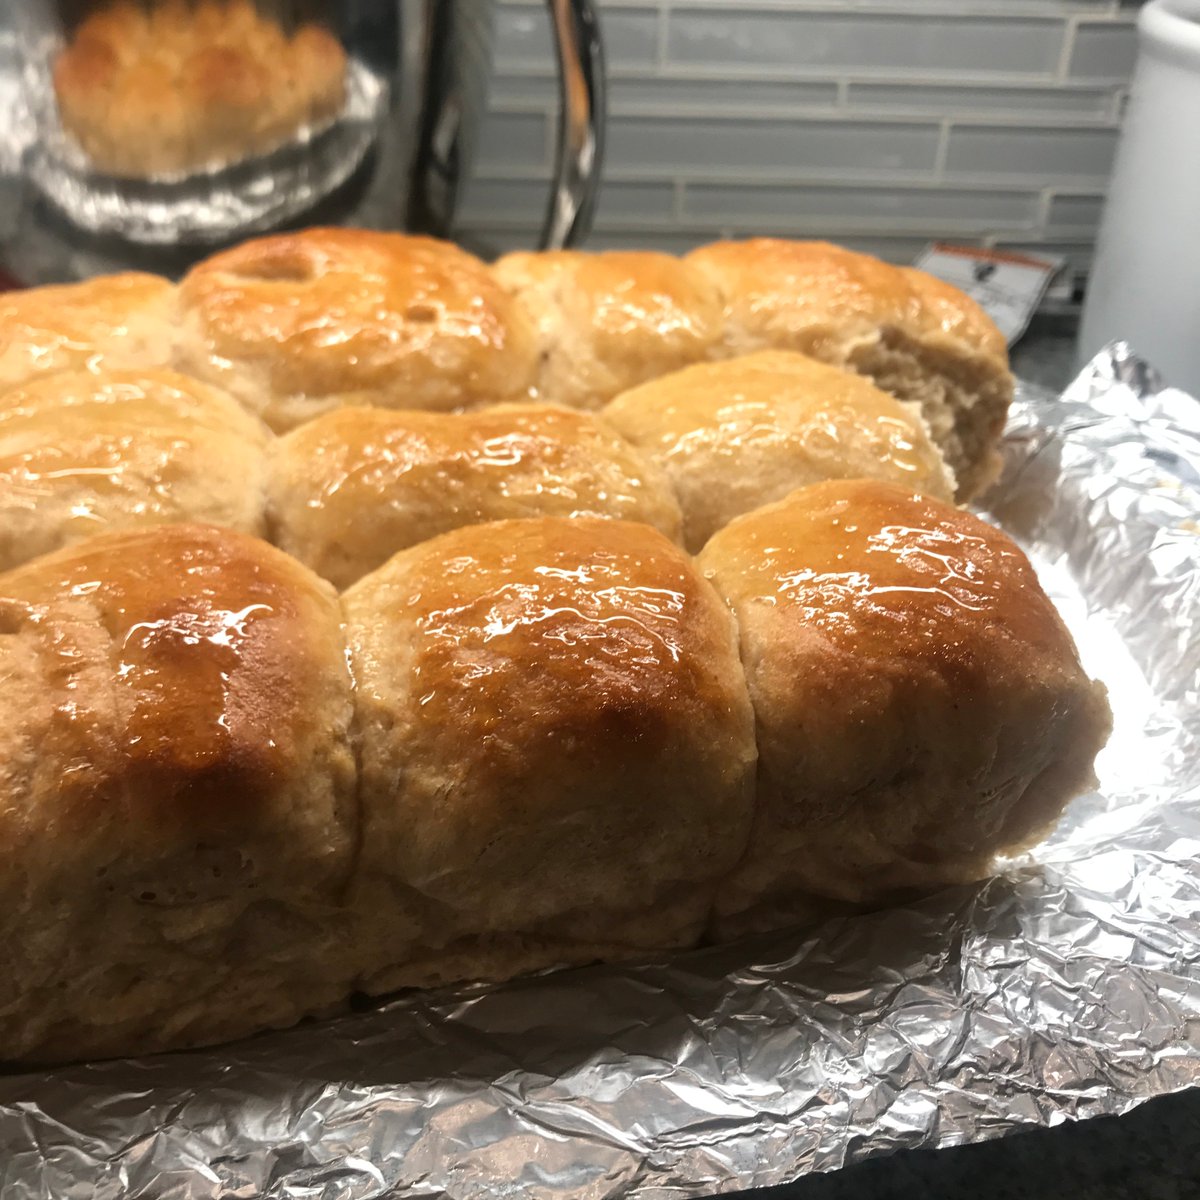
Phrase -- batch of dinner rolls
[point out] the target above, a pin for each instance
(157, 91)
(372, 617)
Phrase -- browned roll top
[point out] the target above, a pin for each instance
(557, 709)
(734, 435)
(113, 320)
(300, 323)
(609, 321)
(914, 336)
(85, 452)
(919, 702)
(179, 662)
(350, 489)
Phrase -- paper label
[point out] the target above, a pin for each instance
(1007, 285)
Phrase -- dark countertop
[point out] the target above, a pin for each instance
(1152, 1153)
(1046, 354)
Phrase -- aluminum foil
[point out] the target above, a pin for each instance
(1066, 987)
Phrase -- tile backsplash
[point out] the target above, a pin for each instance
(878, 123)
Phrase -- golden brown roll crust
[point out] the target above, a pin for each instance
(609, 321)
(350, 489)
(734, 435)
(176, 788)
(314, 74)
(298, 324)
(913, 335)
(113, 321)
(919, 702)
(83, 452)
(555, 740)
(184, 86)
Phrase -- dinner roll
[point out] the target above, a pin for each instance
(609, 321)
(176, 793)
(300, 323)
(911, 334)
(314, 74)
(84, 451)
(734, 435)
(113, 321)
(354, 486)
(919, 703)
(555, 745)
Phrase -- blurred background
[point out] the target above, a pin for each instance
(881, 124)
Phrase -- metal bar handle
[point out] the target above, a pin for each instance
(580, 152)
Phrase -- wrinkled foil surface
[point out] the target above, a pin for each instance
(1066, 987)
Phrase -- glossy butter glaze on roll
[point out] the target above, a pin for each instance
(913, 335)
(919, 703)
(84, 452)
(176, 793)
(300, 323)
(350, 489)
(112, 321)
(609, 321)
(732, 436)
(555, 744)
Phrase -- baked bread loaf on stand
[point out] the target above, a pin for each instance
(189, 86)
